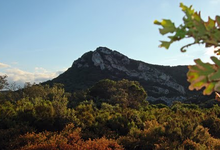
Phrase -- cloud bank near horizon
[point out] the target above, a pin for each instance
(20, 77)
(2, 65)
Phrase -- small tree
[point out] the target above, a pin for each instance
(202, 74)
(125, 93)
(3, 82)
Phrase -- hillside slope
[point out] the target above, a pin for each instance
(161, 82)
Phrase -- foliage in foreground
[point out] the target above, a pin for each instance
(105, 116)
(201, 75)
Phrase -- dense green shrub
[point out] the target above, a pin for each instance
(38, 120)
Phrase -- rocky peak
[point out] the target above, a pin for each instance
(107, 59)
(161, 82)
(104, 50)
(104, 58)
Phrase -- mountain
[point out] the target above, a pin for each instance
(162, 83)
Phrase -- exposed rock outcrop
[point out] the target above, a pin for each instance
(161, 82)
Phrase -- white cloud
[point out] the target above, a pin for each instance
(20, 76)
(4, 65)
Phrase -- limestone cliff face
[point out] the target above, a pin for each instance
(161, 82)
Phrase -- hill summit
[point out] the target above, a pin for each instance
(162, 83)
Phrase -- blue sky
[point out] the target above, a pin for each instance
(41, 38)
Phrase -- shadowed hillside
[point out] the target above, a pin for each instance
(162, 83)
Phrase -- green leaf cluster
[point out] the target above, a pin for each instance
(203, 32)
(205, 75)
